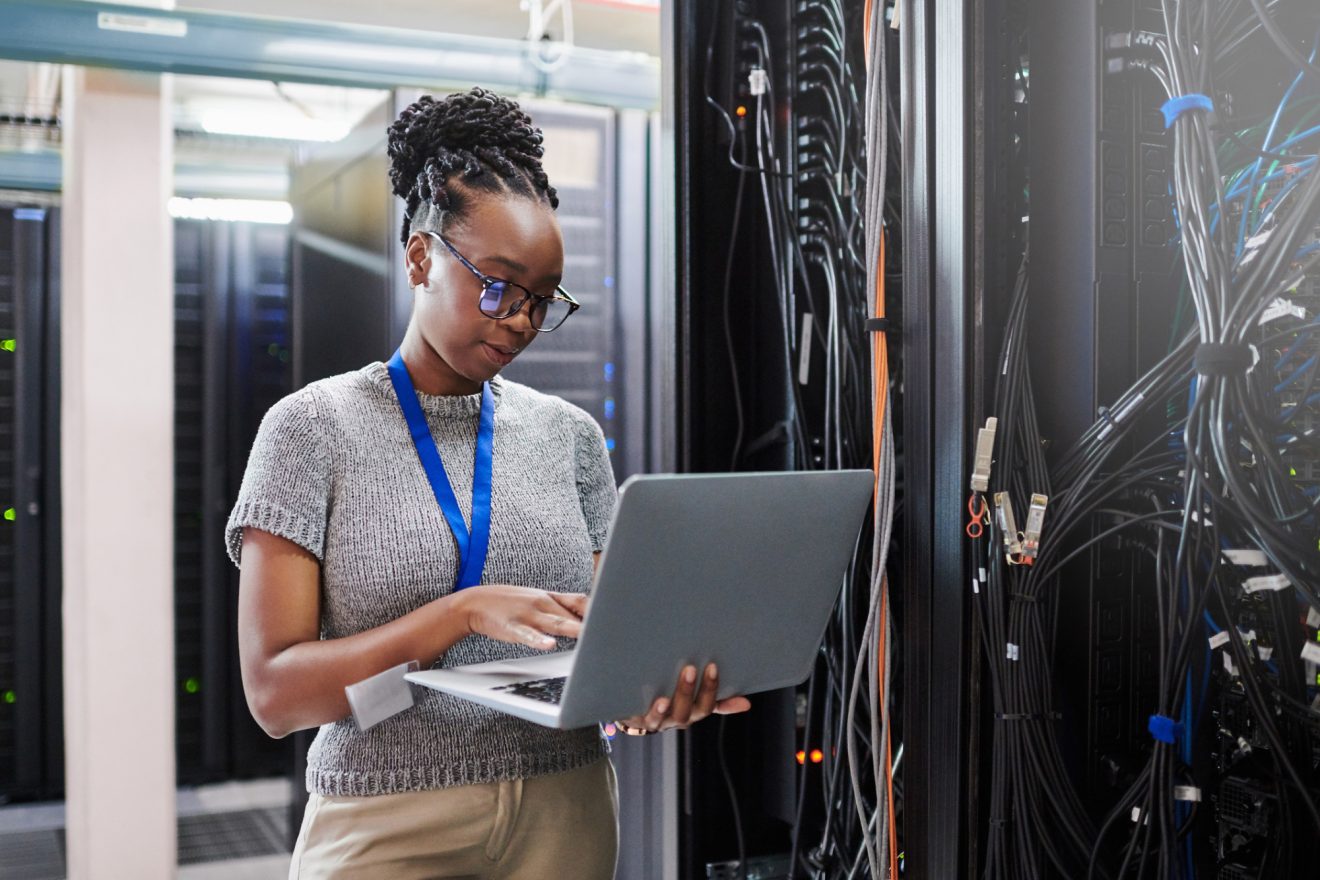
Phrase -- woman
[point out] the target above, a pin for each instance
(352, 527)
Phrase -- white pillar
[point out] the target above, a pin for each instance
(117, 378)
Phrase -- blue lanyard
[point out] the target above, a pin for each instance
(471, 548)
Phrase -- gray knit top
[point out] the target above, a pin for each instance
(334, 470)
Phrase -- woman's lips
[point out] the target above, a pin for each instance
(500, 358)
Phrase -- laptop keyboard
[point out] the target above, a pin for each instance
(547, 690)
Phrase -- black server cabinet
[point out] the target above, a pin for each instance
(232, 362)
(954, 190)
(31, 697)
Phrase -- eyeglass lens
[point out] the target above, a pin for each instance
(500, 299)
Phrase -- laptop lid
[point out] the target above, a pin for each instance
(737, 569)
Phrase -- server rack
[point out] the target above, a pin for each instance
(956, 262)
(31, 697)
(232, 362)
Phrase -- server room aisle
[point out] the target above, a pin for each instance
(227, 831)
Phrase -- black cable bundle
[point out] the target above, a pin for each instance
(1218, 503)
(815, 189)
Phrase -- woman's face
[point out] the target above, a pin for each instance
(508, 237)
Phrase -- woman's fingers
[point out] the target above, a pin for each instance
(694, 699)
(559, 625)
(656, 716)
(524, 634)
(732, 706)
(706, 698)
(680, 713)
(575, 603)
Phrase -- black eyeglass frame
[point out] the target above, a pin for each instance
(560, 293)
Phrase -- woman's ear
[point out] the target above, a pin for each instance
(417, 258)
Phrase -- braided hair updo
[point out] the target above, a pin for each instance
(478, 138)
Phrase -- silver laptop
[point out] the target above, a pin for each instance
(737, 569)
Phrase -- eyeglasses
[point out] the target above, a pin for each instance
(502, 299)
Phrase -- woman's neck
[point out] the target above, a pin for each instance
(429, 372)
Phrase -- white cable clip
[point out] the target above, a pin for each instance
(1013, 652)
(758, 81)
(1272, 582)
(1248, 557)
(1187, 793)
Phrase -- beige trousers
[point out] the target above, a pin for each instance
(562, 825)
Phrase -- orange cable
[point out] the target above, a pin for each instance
(880, 355)
(866, 33)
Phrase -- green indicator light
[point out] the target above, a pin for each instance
(8, 344)
(192, 685)
(11, 514)
(11, 698)
(1292, 472)
(273, 350)
(284, 357)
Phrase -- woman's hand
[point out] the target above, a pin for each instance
(521, 615)
(691, 703)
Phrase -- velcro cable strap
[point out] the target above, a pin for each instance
(1175, 107)
(880, 325)
(1165, 729)
(1222, 359)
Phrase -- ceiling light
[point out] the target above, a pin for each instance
(286, 125)
(232, 210)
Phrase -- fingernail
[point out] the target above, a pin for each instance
(662, 705)
(690, 674)
(712, 672)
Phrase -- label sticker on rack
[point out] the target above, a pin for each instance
(142, 24)
(1313, 618)
(1219, 639)
(1311, 652)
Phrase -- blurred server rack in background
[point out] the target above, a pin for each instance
(31, 694)
(232, 362)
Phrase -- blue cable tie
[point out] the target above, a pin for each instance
(1165, 729)
(1175, 107)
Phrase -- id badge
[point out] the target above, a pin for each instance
(382, 696)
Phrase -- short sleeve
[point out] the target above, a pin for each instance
(595, 481)
(286, 487)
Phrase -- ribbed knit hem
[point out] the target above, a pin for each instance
(272, 518)
(472, 771)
